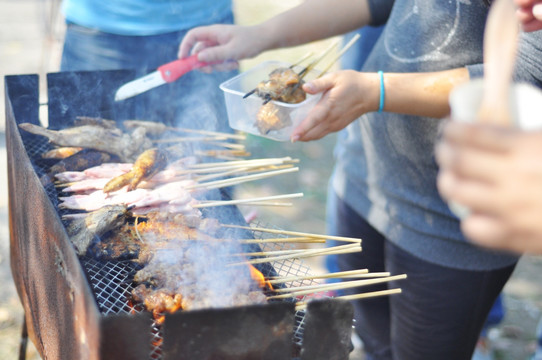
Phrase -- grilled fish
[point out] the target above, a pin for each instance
(147, 164)
(83, 231)
(114, 141)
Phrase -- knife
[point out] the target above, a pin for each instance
(166, 73)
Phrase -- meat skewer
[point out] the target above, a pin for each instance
(146, 165)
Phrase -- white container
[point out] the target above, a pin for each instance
(242, 113)
(525, 108)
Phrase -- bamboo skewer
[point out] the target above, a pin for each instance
(341, 249)
(222, 154)
(362, 273)
(283, 240)
(305, 57)
(268, 253)
(240, 179)
(341, 53)
(294, 233)
(311, 66)
(244, 170)
(189, 139)
(303, 304)
(243, 162)
(305, 290)
(207, 132)
(241, 201)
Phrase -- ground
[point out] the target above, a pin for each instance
(30, 38)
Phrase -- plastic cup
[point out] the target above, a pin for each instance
(525, 108)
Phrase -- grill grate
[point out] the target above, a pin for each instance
(111, 281)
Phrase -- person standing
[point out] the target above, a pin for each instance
(141, 35)
(384, 180)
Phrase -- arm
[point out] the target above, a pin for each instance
(348, 94)
(309, 21)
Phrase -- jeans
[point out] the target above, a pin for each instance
(193, 101)
(438, 315)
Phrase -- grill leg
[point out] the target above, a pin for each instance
(24, 341)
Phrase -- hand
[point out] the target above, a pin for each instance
(221, 43)
(497, 173)
(346, 96)
(529, 14)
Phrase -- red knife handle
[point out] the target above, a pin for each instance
(175, 69)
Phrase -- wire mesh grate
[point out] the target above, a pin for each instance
(112, 281)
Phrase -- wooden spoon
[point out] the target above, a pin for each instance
(500, 44)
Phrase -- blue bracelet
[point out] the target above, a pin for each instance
(382, 91)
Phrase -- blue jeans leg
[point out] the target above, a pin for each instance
(438, 315)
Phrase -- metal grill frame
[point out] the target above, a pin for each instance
(114, 312)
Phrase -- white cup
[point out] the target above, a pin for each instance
(525, 107)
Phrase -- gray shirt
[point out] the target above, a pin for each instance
(385, 166)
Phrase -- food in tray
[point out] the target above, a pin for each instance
(284, 84)
(270, 117)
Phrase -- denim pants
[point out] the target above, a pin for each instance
(438, 315)
(193, 101)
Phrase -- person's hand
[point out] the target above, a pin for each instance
(497, 174)
(529, 14)
(346, 95)
(221, 44)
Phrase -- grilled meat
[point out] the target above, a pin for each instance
(270, 118)
(83, 231)
(113, 141)
(284, 85)
(147, 164)
(82, 160)
(61, 152)
(152, 127)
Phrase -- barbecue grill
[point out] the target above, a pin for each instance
(77, 308)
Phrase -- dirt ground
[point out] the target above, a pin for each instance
(30, 38)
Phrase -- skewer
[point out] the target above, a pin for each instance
(240, 179)
(207, 132)
(294, 233)
(303, 305)
(265, 203)
(189, 139)
(311, 66)
(268, 253)
(245, 170)
(222, 154)
(243, 162)
(304, 290)
(283, 240)
(335, 275)
(228, 145)
(306, 56)
(241, 201)
(342, 249)
(341, 53)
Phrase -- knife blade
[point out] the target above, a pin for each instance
(166, 73)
